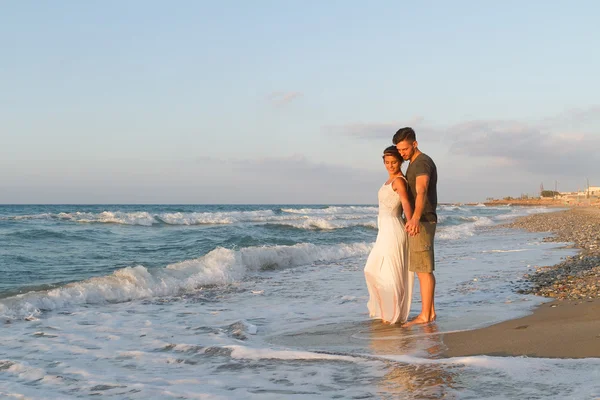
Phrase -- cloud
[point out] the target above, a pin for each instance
(384, 130)
(508, 157)
(283, 98)
(565, 143)
(500, 157)
(527, 147)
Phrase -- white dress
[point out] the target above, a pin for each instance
(388, 279)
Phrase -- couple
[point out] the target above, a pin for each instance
(404, 245)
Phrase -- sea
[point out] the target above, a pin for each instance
(258, 302)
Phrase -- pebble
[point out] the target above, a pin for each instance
(577, 277)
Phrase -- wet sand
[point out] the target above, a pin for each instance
(565, 328)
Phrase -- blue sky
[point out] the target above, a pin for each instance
(293, 101)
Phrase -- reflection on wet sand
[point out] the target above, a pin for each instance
(409, 380)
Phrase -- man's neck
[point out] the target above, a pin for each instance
(417, 154)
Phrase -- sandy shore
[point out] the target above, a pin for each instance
(568, 327)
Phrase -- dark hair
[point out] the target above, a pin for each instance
(392, 151)
(404, 134)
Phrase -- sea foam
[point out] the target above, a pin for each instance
(220, 266)
(465, 229)
(144, 218)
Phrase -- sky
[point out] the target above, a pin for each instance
(243, 102)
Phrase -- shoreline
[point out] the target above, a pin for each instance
(569, 326)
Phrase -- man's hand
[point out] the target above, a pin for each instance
(412, 227)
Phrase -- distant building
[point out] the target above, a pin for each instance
(591, 192)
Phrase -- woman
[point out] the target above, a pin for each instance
(388, 280)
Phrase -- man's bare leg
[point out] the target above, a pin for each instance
(432, 314)
(427, 285)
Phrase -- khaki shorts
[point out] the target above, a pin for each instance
(420, 249)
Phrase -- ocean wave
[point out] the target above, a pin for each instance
(505, 251)
(333, 210)
(457, 219)
(466, 229)
(115, 217)
(144, 218)
(243, 352)
(226, 217)
(326, 224)
(523, 211)
(26, 217)
(446, 207)
(218, 267)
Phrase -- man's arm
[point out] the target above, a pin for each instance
(412, 226)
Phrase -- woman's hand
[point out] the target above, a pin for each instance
(412, 227)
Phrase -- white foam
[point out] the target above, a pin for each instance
(23, 371)
(111, 217)
(220, 266)
(463, 230)
(505, 251)
(329, 224)
(186, 348)
(523, 211)
(451, 208)
(143, 218)
(333, 210)
(228, 217)
(513, 364)
(6, 395)
(261, 354)
(196, 218)
(32, 216)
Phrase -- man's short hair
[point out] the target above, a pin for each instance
(404, 134)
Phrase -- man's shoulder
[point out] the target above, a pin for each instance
(425, 158)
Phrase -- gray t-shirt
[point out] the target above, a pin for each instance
(423, 165)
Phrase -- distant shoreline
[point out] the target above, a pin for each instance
(519, 202)
(527, 202)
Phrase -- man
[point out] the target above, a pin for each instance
(422, 194)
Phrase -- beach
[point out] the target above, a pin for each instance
(568, 327)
